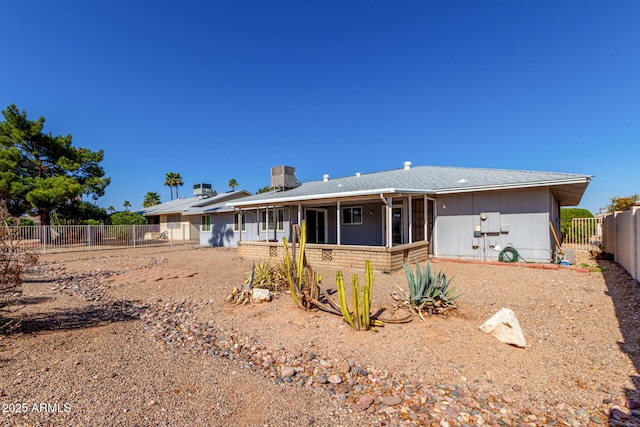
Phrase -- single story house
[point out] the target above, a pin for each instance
(181, 219)
(395, 216)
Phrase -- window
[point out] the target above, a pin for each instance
(205, 223)
(352, 215)
(238, 218)
(272, 222)
(173, 221)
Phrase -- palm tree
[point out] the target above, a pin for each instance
(233, 184)
(151, 199)
(111, 210)
(178, 182)
(126, 205)
(173, 179)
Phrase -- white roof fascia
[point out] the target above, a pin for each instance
(514, 186)
(345, 194)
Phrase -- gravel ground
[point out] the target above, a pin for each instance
(144, 337)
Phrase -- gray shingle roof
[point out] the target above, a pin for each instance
(423, 180)
(189, 204)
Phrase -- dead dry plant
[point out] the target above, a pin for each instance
(13, 261)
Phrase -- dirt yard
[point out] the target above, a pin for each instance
(144, 337)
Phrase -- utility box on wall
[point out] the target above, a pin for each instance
(490, 222)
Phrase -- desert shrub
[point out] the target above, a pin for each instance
(13, 261)
(26, 222)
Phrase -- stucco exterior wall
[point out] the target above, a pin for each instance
(184, 230)
(626, 253)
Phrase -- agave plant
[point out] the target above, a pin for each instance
(260, 275)
(429, 290)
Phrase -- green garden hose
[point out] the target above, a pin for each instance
(508, 254)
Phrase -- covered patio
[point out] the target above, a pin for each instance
(388, 228)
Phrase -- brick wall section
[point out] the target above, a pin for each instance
(382, 259)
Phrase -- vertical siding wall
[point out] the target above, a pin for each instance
(523, 223)
(223, 234)
(621, 237)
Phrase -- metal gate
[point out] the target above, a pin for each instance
(584, 234)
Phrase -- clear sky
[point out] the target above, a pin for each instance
(216, 90)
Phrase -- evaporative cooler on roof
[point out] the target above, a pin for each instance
(203, 190)
(283, 177)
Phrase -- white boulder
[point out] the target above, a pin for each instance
(504, 326)
(260, 295)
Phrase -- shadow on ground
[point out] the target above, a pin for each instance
(23, 301)
(625, 294)
(78, 318)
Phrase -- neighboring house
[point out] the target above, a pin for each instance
(398, 215)
(181, 219)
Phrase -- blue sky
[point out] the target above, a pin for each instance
(216, 90)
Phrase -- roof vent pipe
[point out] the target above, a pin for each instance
(357, 173)
(325, 177)
(407, 165)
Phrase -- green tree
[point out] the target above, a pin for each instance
(40, 172)
(622, 203)
(111, 210)
(126, 205)
(151, 199)
(265, 189)
(233, 184)
(79, 212)
(128, 218)
(173, 179)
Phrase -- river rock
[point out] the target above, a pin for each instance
(287, 371)
(365, 402)
(391, 400)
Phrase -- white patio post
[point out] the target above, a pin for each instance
(275, 225)
(338, 221)
(389, 222)
(410, 210)
(426, 217)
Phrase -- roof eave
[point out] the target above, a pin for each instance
(341, 195)
(582, 180)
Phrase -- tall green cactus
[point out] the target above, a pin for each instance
(360, 319)
(303, 282)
